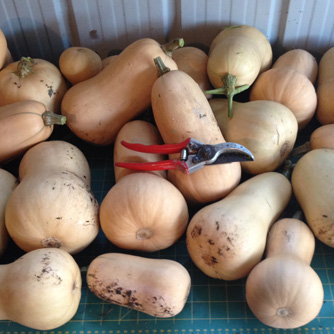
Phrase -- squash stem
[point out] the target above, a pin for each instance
(24, 67)
(302, 149)
(50, 118)
(170, 47)
(287, 168)
(161, 67)
(229, 90)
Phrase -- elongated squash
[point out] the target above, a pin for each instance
(313, 185)
(227, 239)
(157, 287)
(97, 108)
(181, 110)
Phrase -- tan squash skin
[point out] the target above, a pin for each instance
(157, 287)
(322, 137)
(3, 48)
(9, 59)
(97, 108)
(108, 60)
(37, 80)
(41, 289)
(136, 131)
(267, 128)
(79, 63)
(143, 212)
(181, 110)
(227, 239)
(53, 205)
(289, 87)
(243, 51)
(313, 185)
(300, 60)
(283, 290)
(325, 87)
(193, 61)
(24, 124)
(8, 183)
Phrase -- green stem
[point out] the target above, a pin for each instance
(161, 67)
(24, 67)
(229, 90)
(169, 47)
(50, 118)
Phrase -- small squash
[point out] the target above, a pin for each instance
(313, 185)
(3, 49)
(181, 110)
(53, 205)
(24, 124)
(289, 86)
(283, 290)
(226, 239)
(145, 212)
(301, 61)
(193, 61)
(237, 55)
(157, 287)
(136, 131)
(32, 79)
(325, 87)
(41, 289)
(97, 108)
(321, 137)
(8, 183)
(267, 128)
(78, 64)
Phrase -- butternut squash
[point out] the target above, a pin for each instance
(137, 131)
(32, 79)
(237, 55)
(8, 183)
(78, 63)
(286, 83)
(157, 287)
(24, 124)
(301, 61)
(325, 106)
(283, 290)
(267, 128)
(313, 185)
(321, 137)
(181, 110)
(145, 212)
(226, 239)
(193, 61)
(41, 289)
(53, 205)
(97, 108)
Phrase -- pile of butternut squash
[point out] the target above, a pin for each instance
(234, 216)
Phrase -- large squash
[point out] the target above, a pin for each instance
(181, 110)
(97, 108)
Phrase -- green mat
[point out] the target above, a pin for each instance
(213, 306)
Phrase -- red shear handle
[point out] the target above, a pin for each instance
(151, 166)
(160, 149)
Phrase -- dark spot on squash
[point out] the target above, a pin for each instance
(217, 225)
(211, 242)
(325, 216)
(209, 260)
(196, 231)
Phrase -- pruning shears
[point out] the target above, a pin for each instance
(194, 155)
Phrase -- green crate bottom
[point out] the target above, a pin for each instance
(213, 307)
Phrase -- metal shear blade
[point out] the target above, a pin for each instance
(194, 155)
